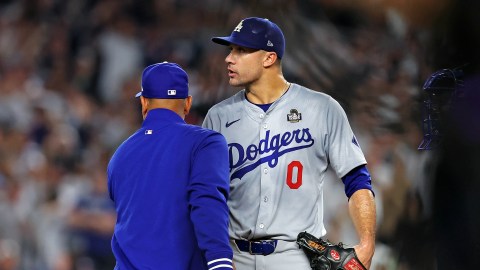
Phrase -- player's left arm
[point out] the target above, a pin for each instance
(361, 204)
(363, 214)
(344, 153)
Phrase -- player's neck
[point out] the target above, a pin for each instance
(268, 92)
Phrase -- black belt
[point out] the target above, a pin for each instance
(262, 247)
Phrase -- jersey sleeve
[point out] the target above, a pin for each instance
(356, 179)
(207, 122)
(208, 193)
(211, 120)
(342, 147)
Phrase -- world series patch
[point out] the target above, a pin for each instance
(294, 116)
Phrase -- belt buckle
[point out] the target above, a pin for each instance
(250, 247)
(262, 244)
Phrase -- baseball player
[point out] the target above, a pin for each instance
(169, 182)
(281, 138)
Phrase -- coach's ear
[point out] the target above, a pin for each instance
(144, 101)
(187, 105)
(270, 59)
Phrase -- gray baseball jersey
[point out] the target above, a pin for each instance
(278, 160)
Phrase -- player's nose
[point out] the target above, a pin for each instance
(229, 58)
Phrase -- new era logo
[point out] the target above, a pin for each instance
(269, 44)
(171, 92)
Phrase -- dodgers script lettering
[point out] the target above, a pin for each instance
(275, 146)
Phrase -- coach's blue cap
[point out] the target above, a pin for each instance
(165, 81)
(256, 33)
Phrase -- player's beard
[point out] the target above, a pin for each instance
(242, 81)
(235, 83)
(234, 79)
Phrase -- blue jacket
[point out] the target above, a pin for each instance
(170, 184)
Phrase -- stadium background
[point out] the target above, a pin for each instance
(69, 71)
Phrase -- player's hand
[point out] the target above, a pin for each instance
(365, 254)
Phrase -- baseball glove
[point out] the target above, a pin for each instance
(324, 255)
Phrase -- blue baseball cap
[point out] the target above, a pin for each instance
(164, 81)
(256, 33)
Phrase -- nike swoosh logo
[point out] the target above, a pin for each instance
(229, 124)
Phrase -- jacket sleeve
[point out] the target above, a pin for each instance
(208, 194)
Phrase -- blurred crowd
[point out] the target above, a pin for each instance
(69, 71)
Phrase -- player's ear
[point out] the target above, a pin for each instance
(269, 59)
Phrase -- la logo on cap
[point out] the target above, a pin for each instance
(239, 27)
(171, 92)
